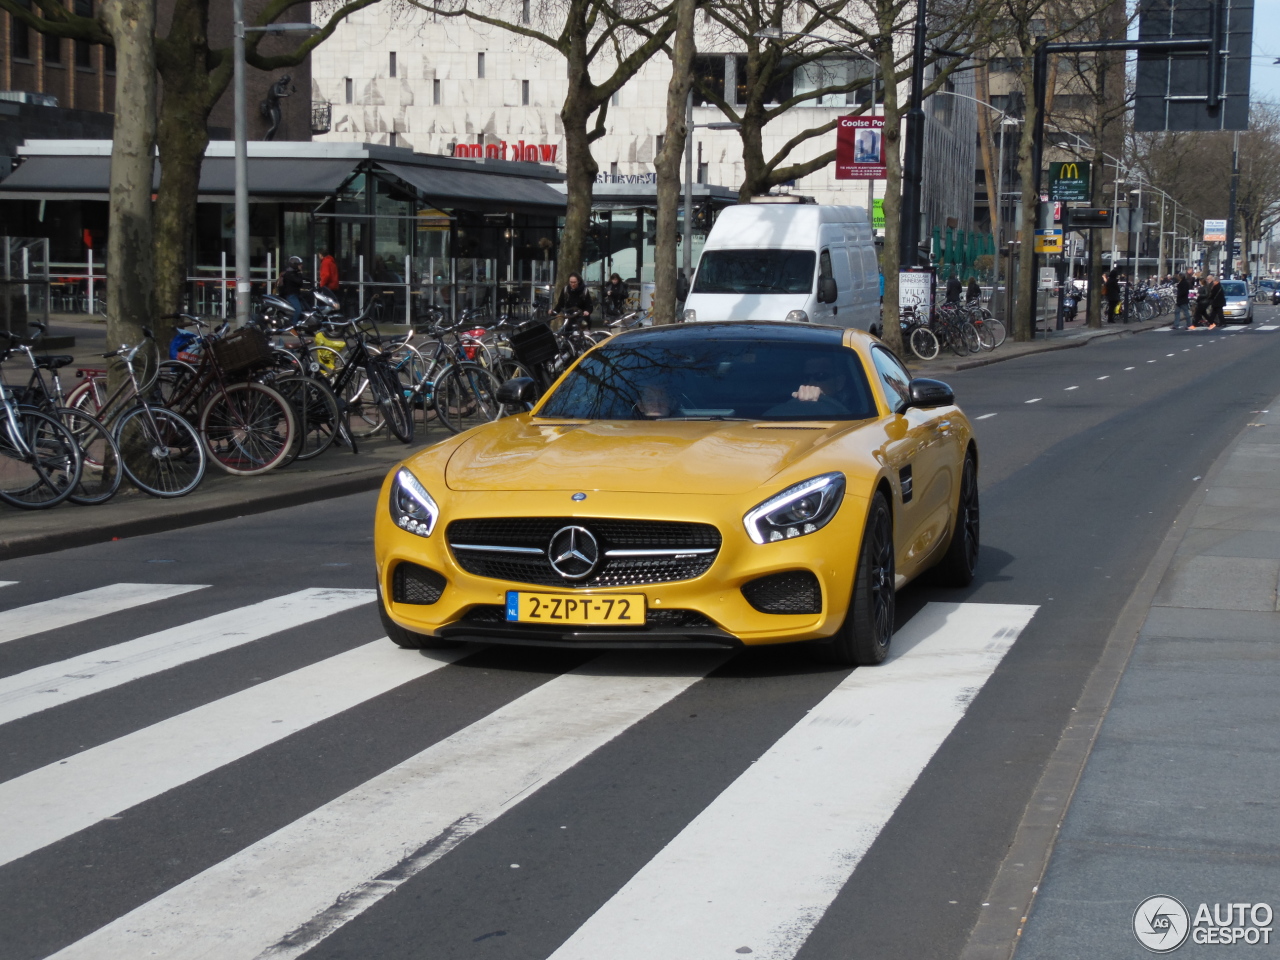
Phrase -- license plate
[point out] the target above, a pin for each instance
(597, 609)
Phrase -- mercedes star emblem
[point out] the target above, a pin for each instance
(578, 496)
(573, 552)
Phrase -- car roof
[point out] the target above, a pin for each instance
(778, 331)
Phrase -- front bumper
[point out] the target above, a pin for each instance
(709, 610)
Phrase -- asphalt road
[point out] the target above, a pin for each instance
(226, 784)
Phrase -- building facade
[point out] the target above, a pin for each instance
(406, 77)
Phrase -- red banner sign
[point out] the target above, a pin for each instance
(860, 148)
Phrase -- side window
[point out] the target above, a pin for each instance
(893, 377)
(824, 264)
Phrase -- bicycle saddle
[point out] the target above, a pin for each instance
(54, 363)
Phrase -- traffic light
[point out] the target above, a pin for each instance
(1089, 218)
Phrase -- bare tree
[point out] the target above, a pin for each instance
(667, 164)
(611, 35)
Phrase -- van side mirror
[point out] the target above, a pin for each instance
(682, 287)
(827, 290)
(930, 393)
(517, 390)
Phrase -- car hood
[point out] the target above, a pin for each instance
(697, 456)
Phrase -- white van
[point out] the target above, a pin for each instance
(788, 261)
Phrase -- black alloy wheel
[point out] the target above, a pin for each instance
(864, 637)
(960, 562)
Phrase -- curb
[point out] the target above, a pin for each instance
(1048, 347)
(32, 544)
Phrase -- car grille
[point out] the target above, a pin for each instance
(534, 533)
(661, 619)
(796, 591)
(411, 583)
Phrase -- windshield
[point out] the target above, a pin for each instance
(755, 271)
(702, 379)
(1235, 288)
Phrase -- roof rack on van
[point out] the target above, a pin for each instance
(781, 198)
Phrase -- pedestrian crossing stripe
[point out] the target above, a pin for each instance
(766, 857)
(78, 607)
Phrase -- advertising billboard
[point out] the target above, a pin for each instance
(860, 148)
(1215, 231)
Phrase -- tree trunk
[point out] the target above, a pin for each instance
(891, 329)
(579, 165)
(667, 165)
(1025, 288)
(1093, 296)
(986, 146)
(131, 24)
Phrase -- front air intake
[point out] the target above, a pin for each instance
(795, 591)
(411, 583)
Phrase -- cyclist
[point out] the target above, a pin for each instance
(615, 296)
(574, 302)
(290, 285)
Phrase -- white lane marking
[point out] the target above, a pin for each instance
(1167, 355)
(7, 583)
(762, 863)
(1072, 388)
(1128, 368)
(1150, 361)
(1107, 377)
(1270, 326)
(985, 416)
(287, 892)
(1036, 400)
(77, 607)
(48, 686)
(45, 805)
(1186, 350)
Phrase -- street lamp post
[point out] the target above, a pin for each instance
(243, 278)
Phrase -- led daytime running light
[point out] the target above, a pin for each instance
(829, 486)
(407, 484)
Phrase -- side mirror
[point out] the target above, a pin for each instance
(682, 288)
(930, 393)
(827, 290)
(517, 390)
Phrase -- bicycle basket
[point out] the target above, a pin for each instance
(534, 343)
(241, 350)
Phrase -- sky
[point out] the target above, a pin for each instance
(1265, 74)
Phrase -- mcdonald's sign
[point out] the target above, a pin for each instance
(1069, 181)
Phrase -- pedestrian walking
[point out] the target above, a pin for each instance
(328, 271)
(1217, 302)
(954, 288)
(1182, 302)
(1111, 295)
(974, 293)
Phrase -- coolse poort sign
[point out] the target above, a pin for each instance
(860, 148)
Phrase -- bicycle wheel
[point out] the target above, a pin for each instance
(160, 452)
(40, 462)
(247, 429)
(100, 474)
(389, 396)
(985, 338)
(924, 344)
(364, 416)
(998, 331)
(466, 396)
(315, 409)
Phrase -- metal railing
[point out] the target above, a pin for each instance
(24, 282)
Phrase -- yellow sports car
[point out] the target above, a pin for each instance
(694, 485)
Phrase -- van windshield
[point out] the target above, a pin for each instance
(755, 271)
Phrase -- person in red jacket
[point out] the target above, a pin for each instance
(328, 271)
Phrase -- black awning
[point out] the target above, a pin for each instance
(277, 176)
(51, 177)
(449, 188)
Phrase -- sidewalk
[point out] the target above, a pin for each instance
(1074, 335)
(1179, 797)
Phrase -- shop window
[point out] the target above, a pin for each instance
(20, 36)
(819, 74)
(740, 80)
(52, 49)
(84, 49)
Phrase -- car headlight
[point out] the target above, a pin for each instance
(798, 510)
(797, 316)
(412, 508)
(691, 316)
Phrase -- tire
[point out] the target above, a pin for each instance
(998, 331)
(956, 341)
(315, 409)
(958, 564)
(466, 396)
(100, 474)
(864, 637)
(247, 429)
(924, 343)
(167, 464)
(389, 396)
(407, 638)
(986, 339)
(971, 339)
(364, 416)
(48, 474)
